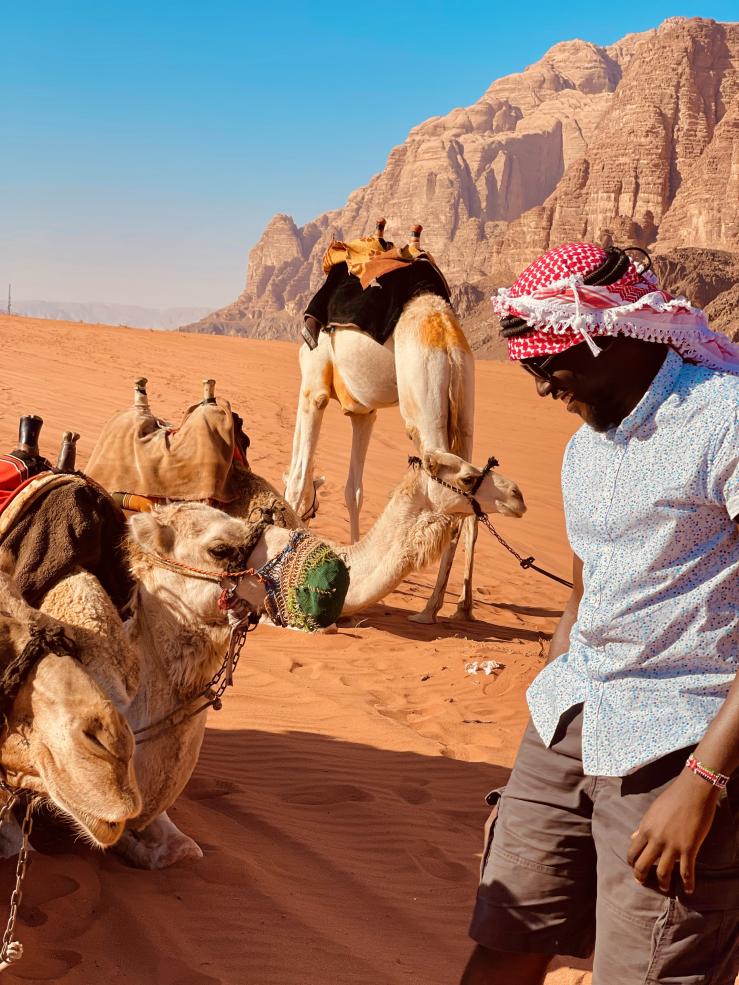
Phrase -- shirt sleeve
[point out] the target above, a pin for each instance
(724, 478)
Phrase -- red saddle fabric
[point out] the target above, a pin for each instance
(13, 477)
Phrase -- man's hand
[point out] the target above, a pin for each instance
(673, 830)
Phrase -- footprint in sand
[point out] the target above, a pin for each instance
(327, 793)
(54, 886)
(413, 794)
(434, 862)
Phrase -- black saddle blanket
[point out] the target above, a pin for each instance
(343, 302)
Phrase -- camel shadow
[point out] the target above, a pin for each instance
(325, 861)
(394, 620)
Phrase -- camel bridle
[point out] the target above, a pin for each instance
(469, 494)
(482, 516)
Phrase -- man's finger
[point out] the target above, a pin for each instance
(638, 843)
(687, 872)
(645, 861)
(664, 870)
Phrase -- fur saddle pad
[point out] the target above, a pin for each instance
(137, 452)
(56, 523)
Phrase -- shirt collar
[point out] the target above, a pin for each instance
(658, 391)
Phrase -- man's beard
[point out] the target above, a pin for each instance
(602, 418)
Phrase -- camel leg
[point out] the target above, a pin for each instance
(300, 490)
(436, 384)
(158, 845)
(362, 425)
(436, 599)
(315, 381)
(464, 606)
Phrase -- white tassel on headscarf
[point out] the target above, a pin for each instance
(580, 322)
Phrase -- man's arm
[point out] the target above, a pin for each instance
(560, 641)
(675, 826)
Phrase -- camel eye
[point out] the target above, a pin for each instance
(468, 480)
(221, 551)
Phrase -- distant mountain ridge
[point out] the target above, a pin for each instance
(100, 312)
(634, 143)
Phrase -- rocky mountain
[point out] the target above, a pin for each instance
(102, 313)
(635, 143)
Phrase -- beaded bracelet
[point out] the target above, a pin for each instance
(713, 777)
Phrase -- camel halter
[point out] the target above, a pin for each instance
(482, 516)
(242, 619)
(41, 642)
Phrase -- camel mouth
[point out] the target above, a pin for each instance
(508, 509)
(103, 833)
(99, 831)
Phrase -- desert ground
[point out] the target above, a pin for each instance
(339, 796)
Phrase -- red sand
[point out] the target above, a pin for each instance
(339, 797)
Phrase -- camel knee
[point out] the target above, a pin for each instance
(320, 400)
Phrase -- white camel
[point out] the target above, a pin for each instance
(427, 369)
(414, 528)
(62, 738)
(165, 655)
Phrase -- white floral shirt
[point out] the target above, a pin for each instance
(650, 509)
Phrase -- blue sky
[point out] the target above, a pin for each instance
(146, 145)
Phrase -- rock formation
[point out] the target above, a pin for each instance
(634, 143)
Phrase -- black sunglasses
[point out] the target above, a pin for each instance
(537, 365)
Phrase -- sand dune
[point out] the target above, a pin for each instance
(339, 798)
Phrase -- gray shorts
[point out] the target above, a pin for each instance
(555, 879)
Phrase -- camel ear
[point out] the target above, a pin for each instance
(431, 462)
(317, 483)
(150, 532)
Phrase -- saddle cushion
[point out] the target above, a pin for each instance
(138, 453)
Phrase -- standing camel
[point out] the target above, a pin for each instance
(426, 368)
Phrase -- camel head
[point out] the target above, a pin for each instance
(186, 536)
(64, 740)
(495, 494)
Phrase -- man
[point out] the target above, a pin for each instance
(617, 830)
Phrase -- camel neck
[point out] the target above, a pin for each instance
(185, 652)
(405, 537)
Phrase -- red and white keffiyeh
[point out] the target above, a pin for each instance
(562, 311)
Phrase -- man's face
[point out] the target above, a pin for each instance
(587, 385)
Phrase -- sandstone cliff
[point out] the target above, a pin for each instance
(634, 143)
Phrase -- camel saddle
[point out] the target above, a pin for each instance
(136, 452)
(367, 288)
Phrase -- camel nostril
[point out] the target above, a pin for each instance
(104, 742)
(95, 737)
